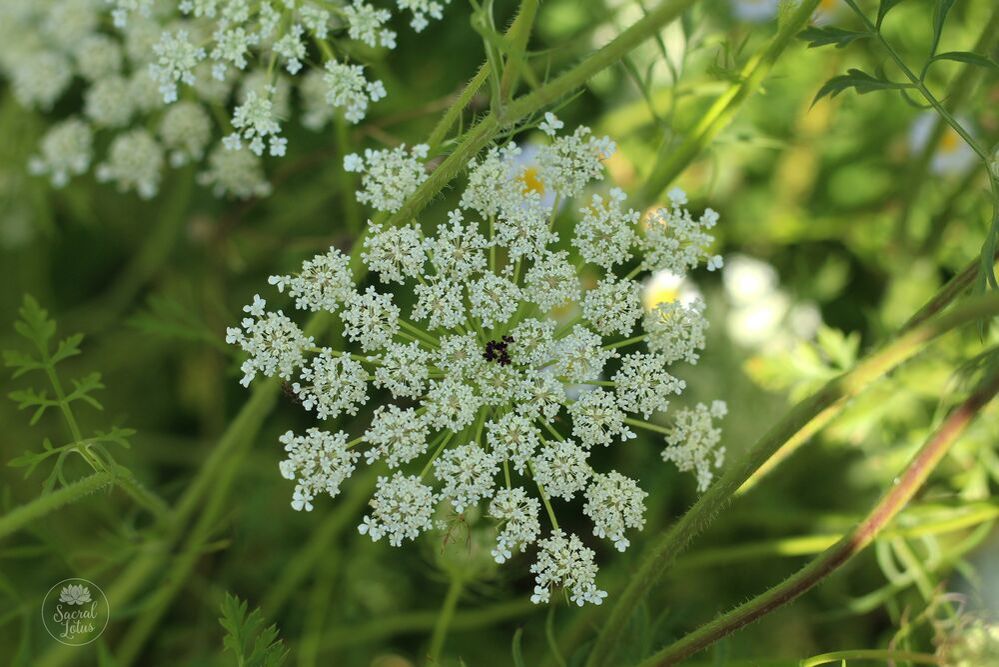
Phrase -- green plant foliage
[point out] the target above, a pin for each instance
(249, 642)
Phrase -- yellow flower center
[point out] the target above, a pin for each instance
(950, 141)
(531, 181)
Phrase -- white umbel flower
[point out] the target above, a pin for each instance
(552, 281)
(693, 441)
(388, 177)
(614, 306)
(467, 474)
(324, 283)
(176, 58)
(514, 438)
(395, 253)
(597, 419)
(563, 562)
(561, 468)
(370, 319)
(495, 382)
(134, 162)
(274, 342)
(644, 384)
(606, 233)
(67, 149)
(332, 385)
(319, 462)
(517, 516)
(396, 435)
(676, 330)
(675, 242)
(403, 370)
(401, 509)
(615, 503)
(347, 89)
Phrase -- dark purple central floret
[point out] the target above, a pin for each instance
(496, 350)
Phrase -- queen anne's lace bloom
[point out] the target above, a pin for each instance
(504, 390)
(139, 58)
(615, 503)
(517, 517)
(563, 562)
(388, 176)
(318, 462)
(693, 441)
(400, 509)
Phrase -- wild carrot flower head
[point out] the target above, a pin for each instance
(156, 74)
(494, 354)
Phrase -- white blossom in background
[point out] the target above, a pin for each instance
(231, 65)
(479, 392)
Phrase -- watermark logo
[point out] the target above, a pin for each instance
(75, 612)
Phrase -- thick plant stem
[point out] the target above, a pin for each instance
(444, 620)
(903, 489)
(804, 418)
(675, 160)
(44, 505)
(518, 35)
(454, 112)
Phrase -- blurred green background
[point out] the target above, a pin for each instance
(825, 209)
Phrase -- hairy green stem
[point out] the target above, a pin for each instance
(804, 418)
(903, 488)
(674, 160)
(50, 502)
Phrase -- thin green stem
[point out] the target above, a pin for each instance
(808, 416)
(626, 342)
(902, 490)
(444, 439)
(648, 426)
(444, 620)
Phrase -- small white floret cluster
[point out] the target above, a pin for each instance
(207, 82)
(497, 354)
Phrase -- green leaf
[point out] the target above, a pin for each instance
(35, 324)
(21, 362)
(968, 57)
(70, 347)
(251, 644)
(83, 387)
(831, 35)
(940, 10)
(861, 81)
(883, 9)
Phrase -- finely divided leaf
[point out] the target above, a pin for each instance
(968, 57)
(250, 643)
(861, 81)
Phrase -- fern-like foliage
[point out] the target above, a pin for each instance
(247, 640)
(43, 361)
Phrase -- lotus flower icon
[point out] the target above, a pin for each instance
(74, 594)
